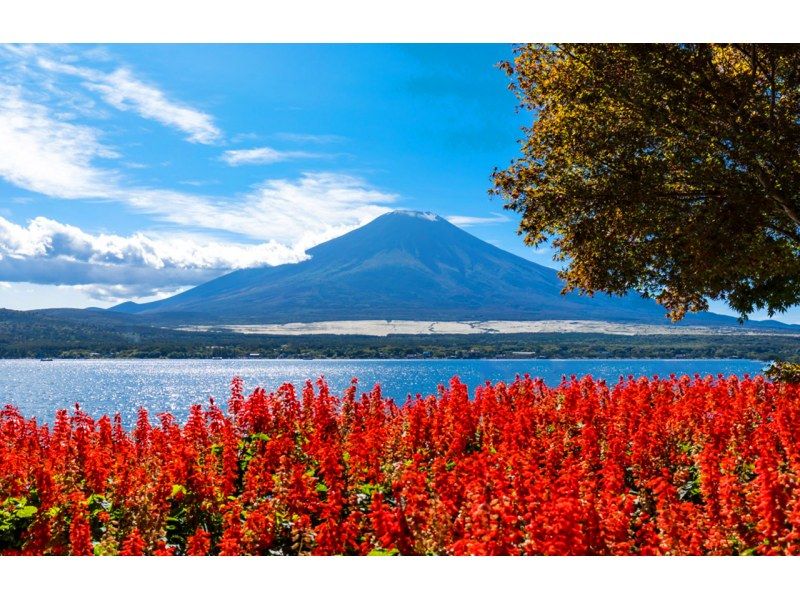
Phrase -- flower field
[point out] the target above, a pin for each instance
(678, 466)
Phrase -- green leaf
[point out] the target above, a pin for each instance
(26, 512)
(383, 552)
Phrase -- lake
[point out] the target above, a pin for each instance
(39, 388)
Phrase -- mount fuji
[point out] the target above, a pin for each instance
(403, 266)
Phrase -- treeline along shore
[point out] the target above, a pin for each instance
(37, 335)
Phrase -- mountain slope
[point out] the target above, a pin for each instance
(402, 265)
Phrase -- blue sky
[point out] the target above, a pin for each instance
(132, 172)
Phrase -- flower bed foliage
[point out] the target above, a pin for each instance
(648, 466)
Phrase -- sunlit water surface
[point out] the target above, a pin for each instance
(39, 388)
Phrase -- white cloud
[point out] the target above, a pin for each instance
(46, 238)
(314, 208)
(476, 220)
(124, 91)
(288, 216)
(49, 156)
(43, 154)
(264, 155)
(43, 150)
(309, 138)
(302, 212)
(49, 252)
(116, 293)
(27, 295)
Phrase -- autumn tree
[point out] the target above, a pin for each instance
(672, 170)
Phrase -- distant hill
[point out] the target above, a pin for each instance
(402, 266)
(80, 333)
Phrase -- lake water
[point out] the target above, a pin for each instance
(39, 388)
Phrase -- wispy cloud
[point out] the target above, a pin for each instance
(477, 220)
(314, 208)
(287, 216)
(309, 138)
(49, 156)
(292, 215)
(124, 91)
(302, 212)
(264, 155)
(40, 153)
(47, 149)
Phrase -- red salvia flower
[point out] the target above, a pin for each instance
(199, 543)
(675, 465)
(133, 545)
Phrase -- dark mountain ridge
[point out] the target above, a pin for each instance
(403, 266)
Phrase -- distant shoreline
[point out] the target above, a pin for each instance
(381, 328)
(383, 359)
(93, 335)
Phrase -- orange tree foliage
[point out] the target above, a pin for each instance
(648, 466)
(668, 169)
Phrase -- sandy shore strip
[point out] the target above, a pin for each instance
(387, 327)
